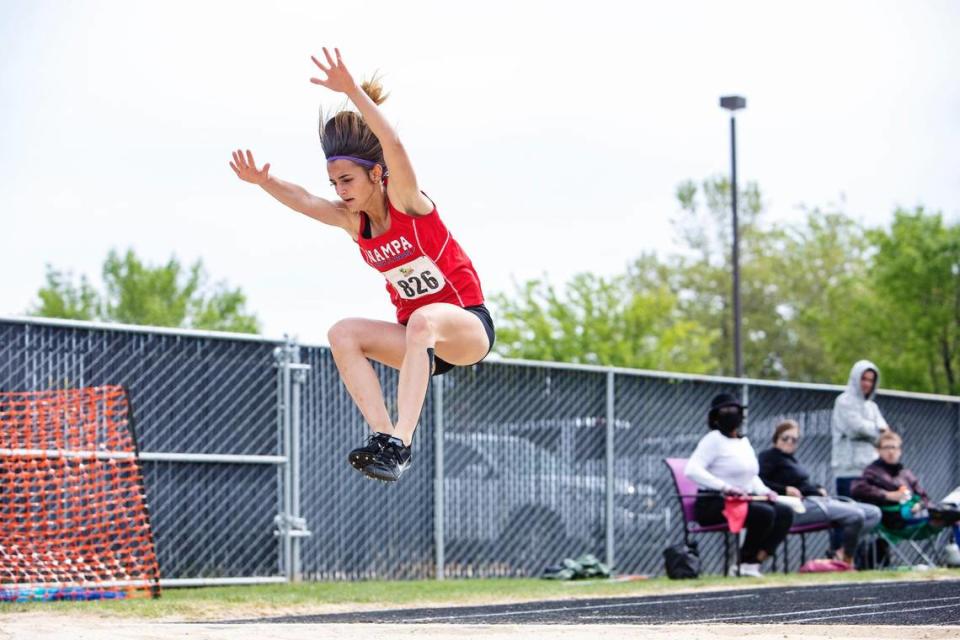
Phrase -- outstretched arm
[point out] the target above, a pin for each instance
(292, 195)
(402, 187)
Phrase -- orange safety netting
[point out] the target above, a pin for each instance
(74, 522)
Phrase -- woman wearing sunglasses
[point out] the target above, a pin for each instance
(780, 470)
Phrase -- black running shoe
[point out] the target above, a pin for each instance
(362, 456)
(391, 462)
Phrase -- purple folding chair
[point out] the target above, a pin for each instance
(687, 494)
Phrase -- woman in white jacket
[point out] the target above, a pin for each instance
(856, 424)
(724, 464)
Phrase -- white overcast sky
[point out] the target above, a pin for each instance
(551, 134)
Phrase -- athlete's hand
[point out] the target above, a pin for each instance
(246, 168)
(338, 78)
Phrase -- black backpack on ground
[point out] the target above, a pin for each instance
(682, 561)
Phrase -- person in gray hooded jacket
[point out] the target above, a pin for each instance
(856, 423)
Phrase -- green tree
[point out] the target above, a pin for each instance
(915, 316)
(701, 274)
(167, 295)
(61, 298)
(819, 276)
(796, 280)
(817, 295)
(597, 320)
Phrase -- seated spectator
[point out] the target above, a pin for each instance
(780, 470)
(724, 464)
(887, 483)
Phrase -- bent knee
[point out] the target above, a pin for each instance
(420, 328)
(342, 334)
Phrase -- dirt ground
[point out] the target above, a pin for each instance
(51, 627)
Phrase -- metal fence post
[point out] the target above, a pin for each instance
(611, 461)
(282, 520)
(290, 526)
(438, 527)
(745, 401)
(300, 531)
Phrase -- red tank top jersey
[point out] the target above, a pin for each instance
(421, 261)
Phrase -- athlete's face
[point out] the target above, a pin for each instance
(355, 185)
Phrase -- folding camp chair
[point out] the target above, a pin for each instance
(914, 536)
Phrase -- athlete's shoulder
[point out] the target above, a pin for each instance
(419, 206)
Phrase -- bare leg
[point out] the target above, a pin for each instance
(352, 342)
(456, 335)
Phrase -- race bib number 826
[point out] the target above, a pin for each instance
(416, 278)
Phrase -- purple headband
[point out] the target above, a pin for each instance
(360, 161)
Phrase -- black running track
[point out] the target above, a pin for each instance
(877, 603)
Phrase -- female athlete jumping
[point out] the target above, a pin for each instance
(441, 319)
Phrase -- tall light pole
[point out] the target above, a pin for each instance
(732, 104)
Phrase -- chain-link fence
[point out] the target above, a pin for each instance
(193, 398)
(361, 528)
(516, 465)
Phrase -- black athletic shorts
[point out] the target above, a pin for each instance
(441, 366)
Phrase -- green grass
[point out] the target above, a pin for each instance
(259, 600)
